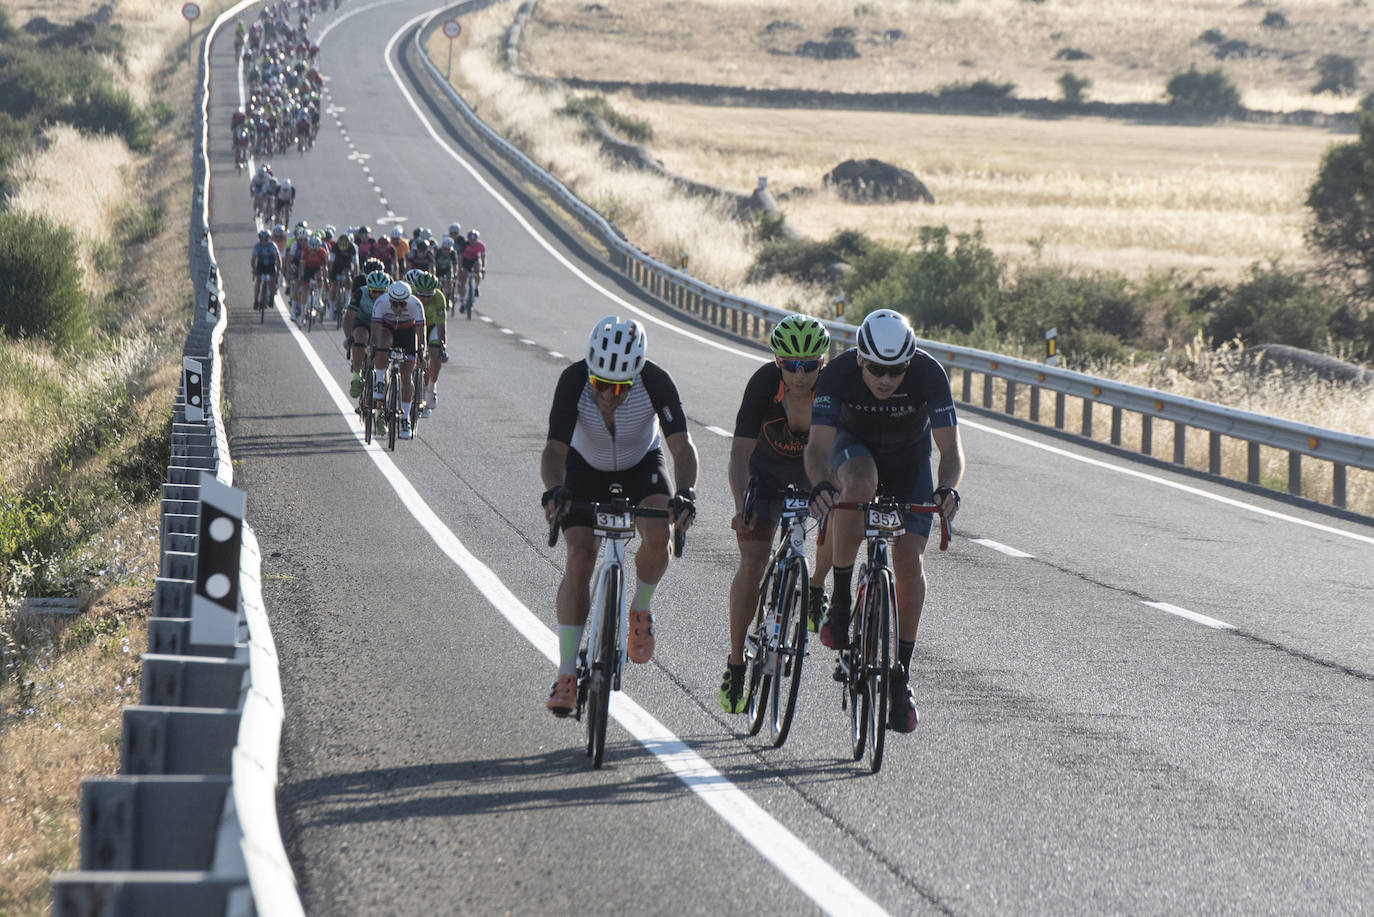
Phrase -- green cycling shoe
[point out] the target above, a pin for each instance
(731, 697)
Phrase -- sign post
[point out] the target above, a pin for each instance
(215, 598)
(192, 12)
(452, 29)
(1052, 347)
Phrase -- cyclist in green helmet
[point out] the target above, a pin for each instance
(771, 431)
(426, 288)
(358, 323)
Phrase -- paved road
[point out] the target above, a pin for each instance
(1080, 751)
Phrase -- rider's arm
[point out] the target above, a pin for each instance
(951, 469)
(817, 459)
(741, 450)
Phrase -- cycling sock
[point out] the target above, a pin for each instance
(644, 592)
(904, 650)
(569, 641)
(843, 580)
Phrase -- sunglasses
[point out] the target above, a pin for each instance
(606, 385)
(800, 366)
(879, 370)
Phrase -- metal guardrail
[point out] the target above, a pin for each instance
(751, 319)
(189, 826)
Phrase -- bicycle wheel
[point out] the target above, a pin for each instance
(857, 686)
(310, 310)
(393, 406)
(605, 653)
(758, 659)
(877, 662)
(791, 649)
(369, 415)
(417, 389)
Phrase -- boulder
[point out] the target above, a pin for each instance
(833, 49)
(1267, 358)
(875, 180)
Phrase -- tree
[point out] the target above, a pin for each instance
(1196, 89)
(1339, 74)
(1074, 87)
(1342, 204)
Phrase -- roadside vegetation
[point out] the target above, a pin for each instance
(1245, 265)
(93, 139)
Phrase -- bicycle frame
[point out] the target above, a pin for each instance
(613, 540)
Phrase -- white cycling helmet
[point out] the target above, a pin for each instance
(399, 291)
(615, 351)
(448, 242)
(396, 232)
(886, 338)
(286, 183)
(454, 229)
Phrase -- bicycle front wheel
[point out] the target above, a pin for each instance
(758, 655)
(393, 407)
(791, 649)
(604, 656)
(369, 408)
(877, 650)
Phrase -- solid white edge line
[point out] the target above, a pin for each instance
(998, 546)
(1191, 615)
(718, 431)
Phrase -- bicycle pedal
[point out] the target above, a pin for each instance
(839, 674)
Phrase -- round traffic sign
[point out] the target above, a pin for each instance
(453, 28)
(191, 11)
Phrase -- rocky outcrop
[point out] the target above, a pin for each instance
(872, 180)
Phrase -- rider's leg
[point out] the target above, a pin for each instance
(753, 555)
(574, 594)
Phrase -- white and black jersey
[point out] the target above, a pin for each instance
(651, 410)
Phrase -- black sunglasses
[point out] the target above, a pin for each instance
(878, 370)
(799, 366)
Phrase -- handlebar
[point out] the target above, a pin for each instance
(889, 506)
(642, 512)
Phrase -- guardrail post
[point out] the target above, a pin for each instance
(987, 390)
(1087, 417)
(1214, 452)
(1295, 473)
(1338, 484)
(967, 378)
(1059, 401)
(1116, 425)
(1252, 462)
(1147, 435)
(1180, 443)
(1035, 404)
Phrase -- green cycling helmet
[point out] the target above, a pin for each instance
(411, 274)
(378, 281)
(799, 337)
(424, 282)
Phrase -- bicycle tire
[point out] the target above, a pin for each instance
(310, 313)
(416, 388)
(602, 668)
(857, 685)
(261, 303)
(392, 406)
(369, 415)
(878, 663)
(757, 681)
(791, 649)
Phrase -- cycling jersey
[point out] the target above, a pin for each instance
(362, 304)
(763, 417)
(650, 410)
(402, 249)
(901, 422)
(474, 250)
(312, 259)
(444, 259)
(266, 257)
(436, 309)
(409, 317)
(343, 262)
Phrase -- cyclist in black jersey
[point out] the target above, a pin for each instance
(612, 414)
(877, 410)
(771, 430)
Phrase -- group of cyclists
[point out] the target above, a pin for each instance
(839, 433)
(284, 85)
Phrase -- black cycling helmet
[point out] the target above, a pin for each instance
(373, 264)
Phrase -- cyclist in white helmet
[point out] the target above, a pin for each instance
(878, 407)
(613, 412)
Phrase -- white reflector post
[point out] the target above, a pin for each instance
(215, 599)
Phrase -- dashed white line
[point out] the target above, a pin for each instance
(556, 355)
(719, 432)
(998, 546)
(1191, 616)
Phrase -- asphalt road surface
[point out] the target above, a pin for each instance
(1081, 750)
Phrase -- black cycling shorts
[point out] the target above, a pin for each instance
(404, 338)
(905, 475)
(590, 485)
(772, 475)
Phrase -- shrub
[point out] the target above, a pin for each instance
(86, 36)
(1367, 103)
(1338, 74)
(807, 260)
(138, 224)
(936, 286)
(1211, 37)
(1341, 201)
(1275, 20)
(1203, 90)
(104, 110)
(986, 88)
(1274, 306)
(1075, 88)
(40, 288)
(1087, 309)
(7, 30)
(1072, 54)
(635, 129)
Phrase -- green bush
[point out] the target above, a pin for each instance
(636, 129)
(1275, 20)
(1338, 74)
(1074, 87)
(1196, 89)
(87, 37)
(104, 110)
(806, 260)
(7, 30)
(938, 286)
(1274, 306)
(139, 223)
(1367, 103)
(985, 88)
(40, 285)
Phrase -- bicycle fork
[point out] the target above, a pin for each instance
(614, 563)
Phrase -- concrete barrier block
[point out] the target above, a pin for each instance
(193, 681)
(135, 894)
(177, 565)
(172, 597)
(178, 740)
(172, 637)
(153, 822)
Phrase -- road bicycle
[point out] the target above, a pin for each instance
(264, 287)
(865, 665)
(601, 661)
(470, 293)
(314, 305)
(775, 646)
(446, 283)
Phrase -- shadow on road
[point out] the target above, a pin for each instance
(276, 446)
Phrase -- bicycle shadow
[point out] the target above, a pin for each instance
(274, 446)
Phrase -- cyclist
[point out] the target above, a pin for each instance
(474, 258)
(612, 413)
(877, 409)
(311, 262)
(398, 320)
(771, 431)
(358, 319)
(363, 238)
(265, 259)
(383, 251)
(422, 256)
(426, 288)
(286, 198)
(445, 259)
(343, 266)
(401, 247)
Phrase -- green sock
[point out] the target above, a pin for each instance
(644, 592)
(569, 642)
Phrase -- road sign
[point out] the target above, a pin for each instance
(453, 28)
(191, 11)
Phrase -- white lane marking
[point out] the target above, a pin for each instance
(798, 863)
(526, 341)
(556, 355)
(998, 546)
(1155, 479)
(534, 235)
(506, 331)
(719, 432)
(1191, 615)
